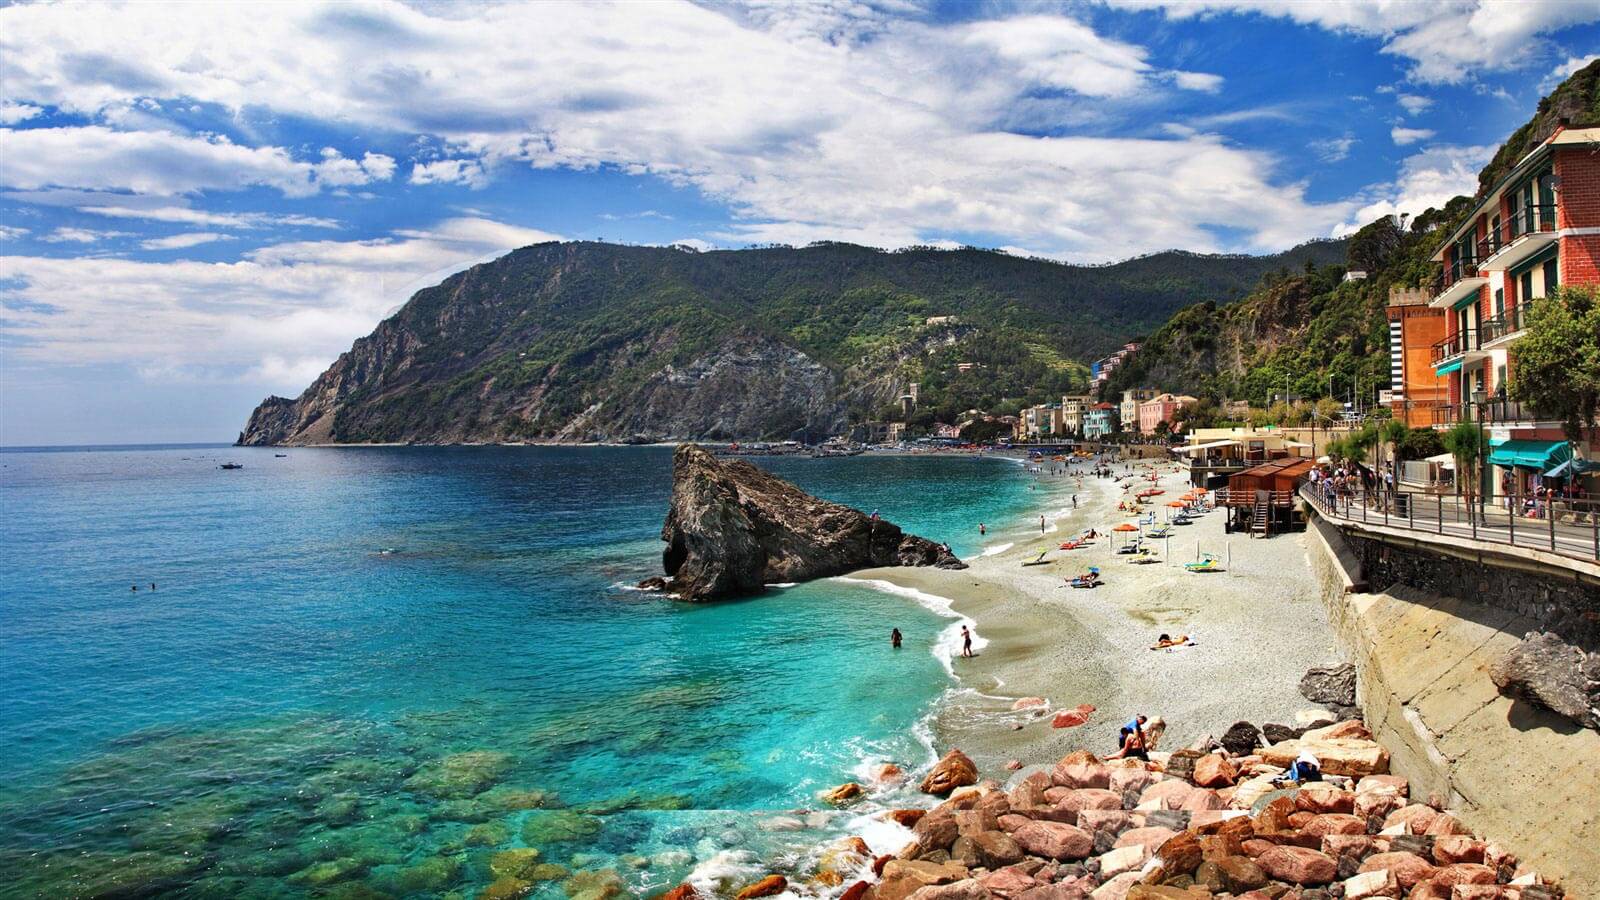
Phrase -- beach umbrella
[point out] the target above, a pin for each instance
(1126, 527)
(1177, 504)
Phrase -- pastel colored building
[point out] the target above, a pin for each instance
(1160, 409)
(1100, 421)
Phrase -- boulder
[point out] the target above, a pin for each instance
(1240, 738)
(1111, 821)
(770, 886)
(1274, 733)
(1378, 883)
(1029, 703)
(1116, 888)
(733, 527)
(953, 771)
(996, 848)
(1387, 783)
(681, 892)
(1168, 794)
(1409, 869)
(1180, 854)
(1240, 874)
(1203, 800)
(1330, 686)
(1181, 763)
(1462, 873)
(1214, 771)
(1350, 757)
(855, 891)
(902, 878)
(1074, 803)
(906, 818)
(1008, 882)
(1081, 769)
(1072, 718)
(1298, 865)
(1325, 824)
(1150, 838)
(1122, 859)
(1131, 778)
(1458, 848)
(1324, 797)
(1413, 819)
(937, 830)
(844, 794)
(1548, 672)
(1055, 840)
(965, 889)
(889, 773)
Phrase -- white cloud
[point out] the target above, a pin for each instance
(66, 235)
(94, 157)
(1406, 136)
(12, 232)
(280, 313)
(162, 209)
(1430, 178)
(787, 115)
(1446, 40)
(1198, 81)
(1414, 103)
(1333, 150)
(12, 113)
(469, 172)
(1564, 71)
(182, 241)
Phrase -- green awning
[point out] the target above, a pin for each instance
(1465, 302)
(1541, 455)
(1447, 368)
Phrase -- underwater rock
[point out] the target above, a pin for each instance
(734, 527)
(557, 826)
(601, 884)
(514, 863)
(488, 834)
(460, 775)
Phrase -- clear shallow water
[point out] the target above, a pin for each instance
(295, 711)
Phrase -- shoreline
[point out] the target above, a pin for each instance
(1256, 629)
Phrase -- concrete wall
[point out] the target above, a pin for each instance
(1513, 773)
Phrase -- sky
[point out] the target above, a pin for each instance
(203, 204)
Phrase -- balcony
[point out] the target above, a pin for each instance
(1530, 230)
(1459, 346)
(1500, 411)
(1460, 280)
(1503, 328)
(1447, 414)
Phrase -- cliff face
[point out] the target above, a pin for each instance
(590, 342)
(734, 527)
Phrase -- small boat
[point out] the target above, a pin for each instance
(280, 455)
(231, 465)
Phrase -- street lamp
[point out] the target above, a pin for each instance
(1480, 397)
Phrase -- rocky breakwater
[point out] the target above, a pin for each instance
(733, 528)
(1193, 824)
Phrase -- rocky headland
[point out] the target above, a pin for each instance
(734, 528)
(1216, 819)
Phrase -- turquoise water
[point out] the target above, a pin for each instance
(388, 671)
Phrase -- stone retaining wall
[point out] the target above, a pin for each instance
(1521, 775)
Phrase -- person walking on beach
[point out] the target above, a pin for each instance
(1074, 501)
(966, 641)
(894, 638)
(1041, 524)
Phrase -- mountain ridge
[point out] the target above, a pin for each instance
(585, 341)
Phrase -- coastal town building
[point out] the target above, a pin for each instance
(1416, 391)
(1128, 411)
(1073, 406)
(1161, 408)
(1213, 454)
(1100, 421)
(1100, 370)
(1042, 422)
(1536, 229)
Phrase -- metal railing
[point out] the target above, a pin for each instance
(1563, 526)
(1451, 413)
(1461, 268)
(1502, 325)
(1539, 217)
(1455, 345)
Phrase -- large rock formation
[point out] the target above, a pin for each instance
(734, 527)
(1551, 673)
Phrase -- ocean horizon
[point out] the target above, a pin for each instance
(393, 666)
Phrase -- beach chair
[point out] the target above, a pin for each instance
(1207, 563)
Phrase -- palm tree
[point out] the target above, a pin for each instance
(1462, 442)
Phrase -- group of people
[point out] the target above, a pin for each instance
(1344, 480)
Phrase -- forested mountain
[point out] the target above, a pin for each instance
(591, 341)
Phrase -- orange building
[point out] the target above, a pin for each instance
(1416, 391)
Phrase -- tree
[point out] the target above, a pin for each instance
(1557, 362)
(1374, 244)
(1462, 441)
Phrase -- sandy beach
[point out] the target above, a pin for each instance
(1256, 627)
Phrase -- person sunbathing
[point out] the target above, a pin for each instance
(1165, 641)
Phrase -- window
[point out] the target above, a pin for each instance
(1525, 284)
(1551, 278)
(1499, 301)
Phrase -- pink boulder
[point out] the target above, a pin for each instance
(1322, 797)
(1150, 838)
(1214, 771)
(1458, 848)
(1201, 799)
(1409, 869)
(1072, 718)
(1168, 794)
(1072, 805)
(1132, 778)
(1055, 840)
(1416, 818)
(1298, 865)
(1462, 873)
(1335, 823)
(1081, 769)
(1029, 703)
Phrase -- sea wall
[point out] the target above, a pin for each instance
(1422, 656)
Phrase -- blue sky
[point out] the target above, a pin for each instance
(201, 205)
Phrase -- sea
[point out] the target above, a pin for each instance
(417, 671)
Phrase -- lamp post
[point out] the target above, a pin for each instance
(1479, 398)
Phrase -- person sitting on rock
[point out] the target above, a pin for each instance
(1132, 740)
(1306, 768)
